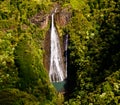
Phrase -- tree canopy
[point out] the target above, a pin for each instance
(93, 53)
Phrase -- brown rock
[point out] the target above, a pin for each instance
(63, 17)
(41, 20)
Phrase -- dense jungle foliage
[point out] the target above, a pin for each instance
(93, 53)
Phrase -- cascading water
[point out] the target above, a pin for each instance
(56, 71)
(66, 52)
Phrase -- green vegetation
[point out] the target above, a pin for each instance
(23, 78)
(93, 53)
(94, 70)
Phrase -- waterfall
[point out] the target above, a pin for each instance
(56, 70)
(65, 50)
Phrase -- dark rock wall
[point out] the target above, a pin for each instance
(47, 51)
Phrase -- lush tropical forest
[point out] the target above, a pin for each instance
(93, 71)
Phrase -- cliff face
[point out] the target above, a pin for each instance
(62, 18)
(46, 60)
(40, 20)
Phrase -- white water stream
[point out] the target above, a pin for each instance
(56, 71)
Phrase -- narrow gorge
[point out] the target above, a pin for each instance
(56, 52)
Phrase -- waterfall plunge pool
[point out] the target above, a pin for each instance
(60, 86)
